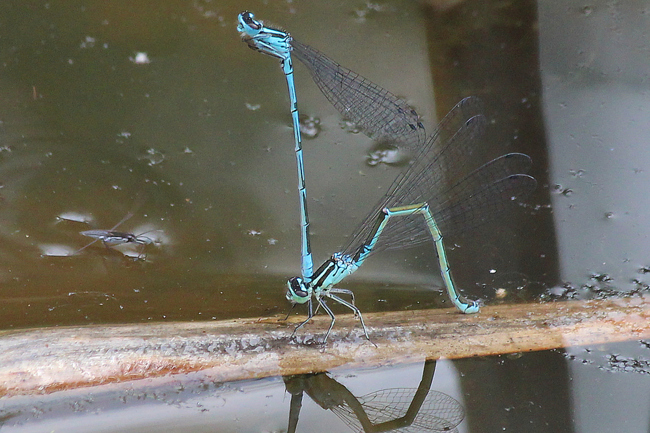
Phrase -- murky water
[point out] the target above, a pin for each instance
(158, 109)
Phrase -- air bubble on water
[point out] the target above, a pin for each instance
(349, 126)
(557, 291)
(141, 58)
(153, 156)
(601, 277)
(577, 173)
(385, 156)
(559, 189)
(88, 42)
(310, 127)
(369, 9)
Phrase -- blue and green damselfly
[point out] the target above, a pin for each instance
(381, 115)
(443, 191)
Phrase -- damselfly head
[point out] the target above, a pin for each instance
(248, 24)
(298, 291)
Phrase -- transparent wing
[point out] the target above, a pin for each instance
(385, 408)
(461, 194)
(381, 115)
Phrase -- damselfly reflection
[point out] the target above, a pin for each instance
(404, 409)
(111, 238)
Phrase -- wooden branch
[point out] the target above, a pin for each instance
(51, 359)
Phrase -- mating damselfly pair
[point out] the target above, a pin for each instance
(443, 191)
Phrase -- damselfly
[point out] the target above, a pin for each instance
(443, 192)
(381, 115)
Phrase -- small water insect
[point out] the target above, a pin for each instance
(111, 237)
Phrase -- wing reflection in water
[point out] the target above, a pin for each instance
(393, 409)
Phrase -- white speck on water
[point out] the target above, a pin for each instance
(140, 58)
